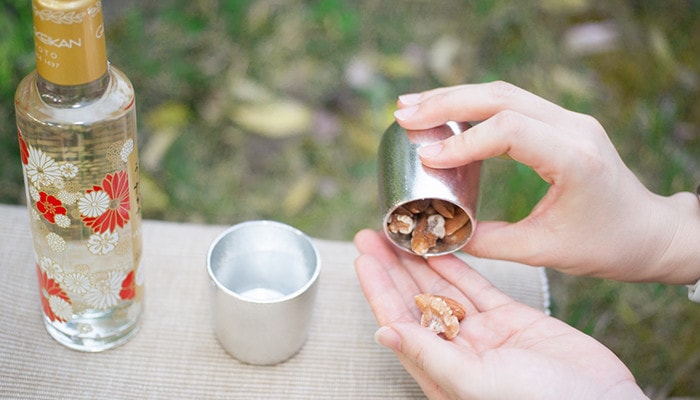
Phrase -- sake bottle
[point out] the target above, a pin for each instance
(76, 125)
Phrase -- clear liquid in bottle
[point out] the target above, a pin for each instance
(76, 125)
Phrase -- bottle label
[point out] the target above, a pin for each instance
(69, 41)
(86, 228)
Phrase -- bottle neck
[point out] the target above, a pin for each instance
(71, 54)
(72, 95)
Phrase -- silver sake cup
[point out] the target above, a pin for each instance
(264, 277)
(404, 180)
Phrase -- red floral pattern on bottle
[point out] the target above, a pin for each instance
(23, 150)
(117, 214)
(128, 287)
(104, 208)
(49, 207)
(48, 287)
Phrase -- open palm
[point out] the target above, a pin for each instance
(504, 349)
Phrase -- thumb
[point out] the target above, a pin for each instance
(445, 362)
(508, 241)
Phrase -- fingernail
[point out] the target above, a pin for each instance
(411, 98)
(405, 113)
(387, 337)
(430, 150)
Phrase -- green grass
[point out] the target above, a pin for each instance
(324, 75)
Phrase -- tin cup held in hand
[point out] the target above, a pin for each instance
(264, 277)
(427, 211)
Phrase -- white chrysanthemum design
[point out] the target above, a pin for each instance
(62, 220)
(41, 169)
(59, 183)
(52, 269)
(61, 308)
(94, 204)
(127, 149)
(76, 282)
(104, 290)
(69, 170)
(102, 243)
(56, 242)
(34, 194)
(67, 198)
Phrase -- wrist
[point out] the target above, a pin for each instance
(679, 254)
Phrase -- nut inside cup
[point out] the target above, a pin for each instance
(418, 202)
(429, 227)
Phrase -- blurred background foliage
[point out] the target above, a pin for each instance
(274, 109)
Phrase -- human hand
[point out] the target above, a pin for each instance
(504, 350)
(596, 218)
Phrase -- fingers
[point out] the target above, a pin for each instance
(515, 122)
(391, 278)
(478, 290)
(430, 280)
(387, 302)
(525, 139)
(389, 338)
(384, 278)
(394, 262)
(568, 150)
(526, 242)
(476, 102)
(451, 367)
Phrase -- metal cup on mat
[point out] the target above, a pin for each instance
(264, 278)
(426, 211)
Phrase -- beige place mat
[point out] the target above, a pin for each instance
(176, 356)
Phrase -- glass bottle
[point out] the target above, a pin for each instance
(76, 123)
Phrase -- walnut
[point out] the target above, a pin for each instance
(429, 226)
(429, 229)
(401, 221)
(441, 314)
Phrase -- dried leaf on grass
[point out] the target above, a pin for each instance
(168, 115)
(154, 199)
(276, 119)
(165, 126)
(300, 193)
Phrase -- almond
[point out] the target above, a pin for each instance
(458, 237)
(417, 206)
(444, 208)
(452, 225)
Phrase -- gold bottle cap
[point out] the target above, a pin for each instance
(69, 41)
